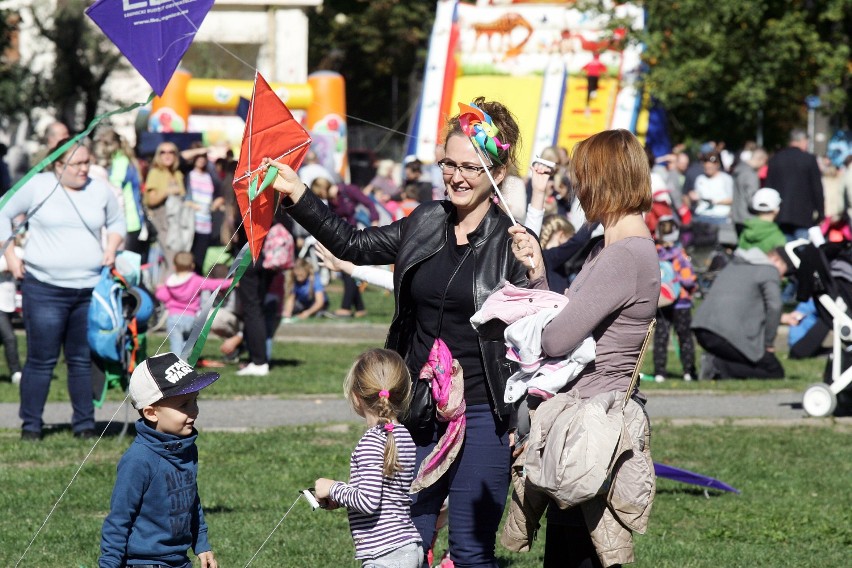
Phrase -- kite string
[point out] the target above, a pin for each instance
(477, 149)
(217, 44)
(112, 419)
(273, 530)
(254, 69)
(67, 487)
(206, 277)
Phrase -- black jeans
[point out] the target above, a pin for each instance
(251, 291)
(681, 319)
(10, 342)
(200, 244)
(731, 363)
(351, 294)
(568, 545)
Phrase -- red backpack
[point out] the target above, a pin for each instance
(279, 248)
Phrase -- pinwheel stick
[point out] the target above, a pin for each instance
(497, 189)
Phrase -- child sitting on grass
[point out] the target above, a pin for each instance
(181, 293)
(381, 469)
(305, 295)
(155, 512)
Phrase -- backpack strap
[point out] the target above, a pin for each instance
(635, 378)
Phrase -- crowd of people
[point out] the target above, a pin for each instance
(609, 230)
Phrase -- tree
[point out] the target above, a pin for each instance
(379, 46)
(84, 60)
(724, 70)
(17, 84)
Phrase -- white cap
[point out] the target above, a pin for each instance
(162, 376)
(765, 200)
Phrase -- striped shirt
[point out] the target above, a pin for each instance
(379, 507)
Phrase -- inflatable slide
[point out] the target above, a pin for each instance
(564, 73)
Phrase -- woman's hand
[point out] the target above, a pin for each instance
(528, 252)
(540, 175)
(15, 264)
(109, 258)
(287, 181)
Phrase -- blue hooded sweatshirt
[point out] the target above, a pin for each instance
(155, 513)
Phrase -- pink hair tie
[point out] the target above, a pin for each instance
(389, 427)
(384, 394)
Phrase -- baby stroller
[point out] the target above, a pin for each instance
(825, 274)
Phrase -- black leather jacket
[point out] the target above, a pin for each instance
(410, 241)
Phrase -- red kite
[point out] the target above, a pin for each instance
(271, 132)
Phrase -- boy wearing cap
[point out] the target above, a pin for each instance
(155, 512)
(761, 231)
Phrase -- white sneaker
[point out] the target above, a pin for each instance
(16, 378)
(687, 377)
(659, 379)
(252, 370)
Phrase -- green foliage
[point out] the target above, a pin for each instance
(379, 46)
(84, 59)
(720, 69)
(18, 86)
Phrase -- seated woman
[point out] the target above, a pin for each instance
(306, 295)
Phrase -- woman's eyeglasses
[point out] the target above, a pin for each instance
(75, 165)
(161, 152)
(449, 168)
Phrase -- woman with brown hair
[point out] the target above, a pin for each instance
(613, 299)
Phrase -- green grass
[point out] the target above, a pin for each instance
(791, 511)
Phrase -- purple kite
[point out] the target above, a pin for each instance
(152, 34)
(690, 477)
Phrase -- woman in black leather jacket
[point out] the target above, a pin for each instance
(448, 255)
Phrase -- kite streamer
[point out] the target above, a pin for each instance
(64, 148)
(204, 320)
(478, 127)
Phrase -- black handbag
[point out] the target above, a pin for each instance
(420, 418)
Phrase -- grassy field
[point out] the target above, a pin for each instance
(791, 511)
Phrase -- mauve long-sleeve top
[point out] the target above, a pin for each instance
(614, 298)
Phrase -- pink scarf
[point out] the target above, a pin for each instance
(448, 392)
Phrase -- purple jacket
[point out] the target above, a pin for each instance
(348, 198)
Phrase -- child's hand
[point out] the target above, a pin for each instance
(208, 560)
(322, 486)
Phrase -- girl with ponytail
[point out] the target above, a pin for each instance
(381, 468)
